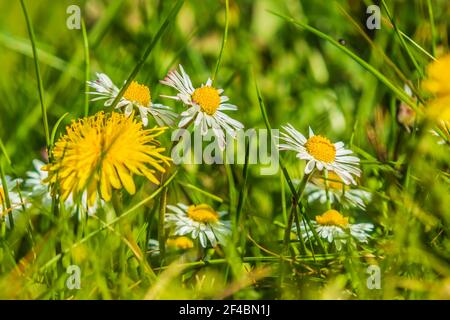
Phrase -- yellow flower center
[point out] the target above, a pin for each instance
(207, 98)
(321, 149)
(202, 213)
(180, 243)
(138, 93)
(334, 181)
(332, 218)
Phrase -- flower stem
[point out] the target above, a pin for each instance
(295, 201)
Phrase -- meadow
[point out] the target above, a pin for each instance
(354, 104)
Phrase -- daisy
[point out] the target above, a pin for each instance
(101, 153)
(137, 95)
(335, 228)
(199, 221)
(321, 153)
(15, 199)
(338, 191)
(36, 181)
(205, 106)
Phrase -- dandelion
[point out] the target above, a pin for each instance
(321, 153)
(17, 203)
(206, 106)
(137, 95)
(199, 221)
(438, 78)
(338, 192)
(438, 83)
(101, 153)
(335, 228)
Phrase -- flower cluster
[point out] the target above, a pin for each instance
(340, 169)
(102, 153)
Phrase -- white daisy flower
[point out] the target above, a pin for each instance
(199, 221)
(321, 153)
(16, 199)
(335, 228)
(338, 192)
(40, 189)
(206, 104)
(137, 95)
(34, 181)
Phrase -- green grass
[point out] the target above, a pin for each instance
(301, 62)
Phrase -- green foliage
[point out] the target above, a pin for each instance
(308, 63)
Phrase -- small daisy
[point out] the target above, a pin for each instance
(16, 201)
(199, 221)
(40, 189)
(321, 153)
(137, 95)
(206, 104)
(338, 191)
(335, 228)
(35, 182)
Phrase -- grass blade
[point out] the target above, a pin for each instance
(397, 91)
(224, 41)
(402, 41)
(38, 74)
(112, 222)
(86, 68)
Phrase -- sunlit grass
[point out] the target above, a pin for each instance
(306, 63)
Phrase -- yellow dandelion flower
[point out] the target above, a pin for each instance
(439, 109)
(103, 152)
(438, 83)
(438, 77)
